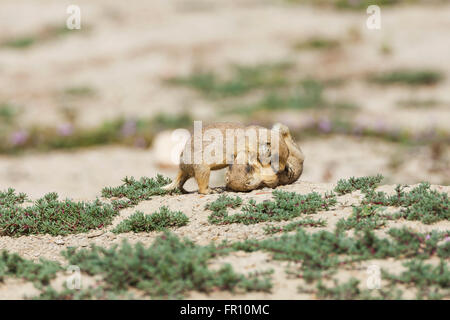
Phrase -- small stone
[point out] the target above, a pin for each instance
(59, 242)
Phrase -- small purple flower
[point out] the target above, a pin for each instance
(66, 129)
(325, 125)
(447, 239)
(380, 126)
(129, 128)
(428, 237)
(19, 138)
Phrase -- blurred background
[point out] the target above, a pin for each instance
(82, 109)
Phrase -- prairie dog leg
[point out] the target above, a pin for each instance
(179, 182)
(201, 175)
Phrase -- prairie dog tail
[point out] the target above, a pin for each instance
(294, 149)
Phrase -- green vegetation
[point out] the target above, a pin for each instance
(79, 91)
(418, 104)
(408, 77)
(421, 203)
(169, 268)
(352, 184)
(8, 113)
(432, 282)
(285, 206)
(220, 205)
(91, 293)
(49, 215)
(306, 222)
(243, 80)
(318, 43)
(12, 265)
(136, 190)
(365, 217)
(158, 221)
(320, 254)
(306, 95)
(47, 34)
(139, 132)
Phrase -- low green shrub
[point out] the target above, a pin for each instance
(158, 221)
(49, 215)
(345, 186)
(284, 206)
(168, 268)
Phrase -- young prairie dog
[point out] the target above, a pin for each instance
(249, 177)
(218, 145)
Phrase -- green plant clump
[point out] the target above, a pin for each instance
(49, 215)
(137, 190)
(12, 265)
(285, 206)
(421, 203)
(306, 222)
(243, 80)
(321, 252)
(432, 282)
(363, 217)
(408, 77)
(169, 268)
(158, 221)
(352, 184)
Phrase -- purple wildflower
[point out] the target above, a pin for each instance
(66, 129)
(325, 125)
(129, 128)
(19, 138)
(428, 237)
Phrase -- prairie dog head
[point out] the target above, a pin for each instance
(250, 175)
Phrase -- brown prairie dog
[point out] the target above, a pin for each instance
(203, 153)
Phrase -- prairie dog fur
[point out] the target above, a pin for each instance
(247, 178)
(253, 144)
(294, 165)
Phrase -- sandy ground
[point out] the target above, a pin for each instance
(202, 232)
(124, 50)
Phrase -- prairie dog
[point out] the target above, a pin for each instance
(249, 177)
(218, 146)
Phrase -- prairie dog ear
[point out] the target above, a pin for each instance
(281, 128)
(241, 157)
